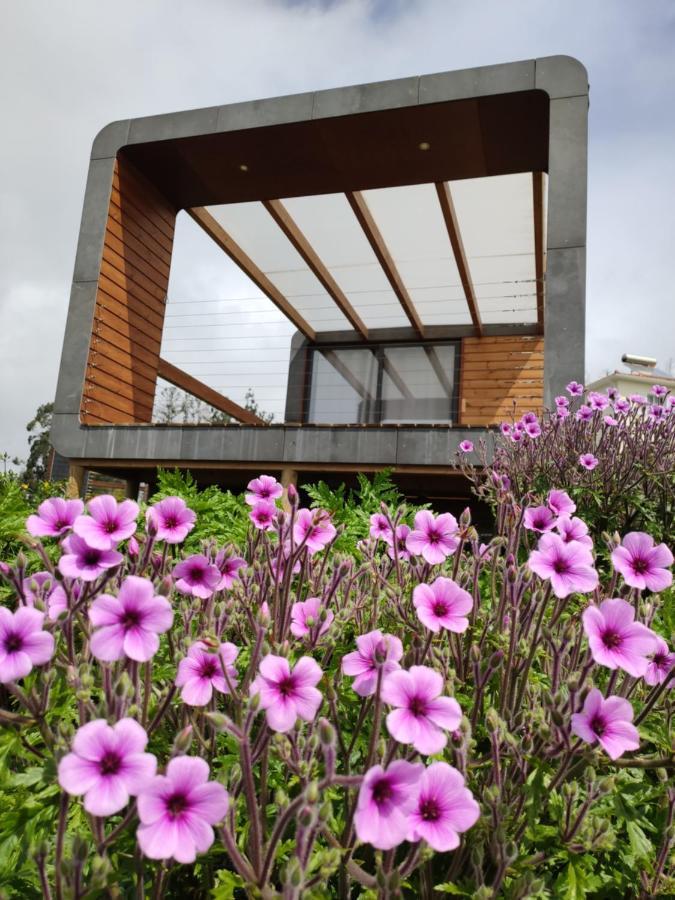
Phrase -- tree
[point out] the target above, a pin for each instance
(38, 443)
(251, 404)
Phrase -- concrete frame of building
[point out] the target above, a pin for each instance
(291, 447)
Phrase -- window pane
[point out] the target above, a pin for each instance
(418, 383)
(344, 385)
(383, 384)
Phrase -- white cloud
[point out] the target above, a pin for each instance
(69, 66)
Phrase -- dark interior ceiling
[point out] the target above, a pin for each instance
(497, 135)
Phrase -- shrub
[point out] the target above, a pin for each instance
(428, 714)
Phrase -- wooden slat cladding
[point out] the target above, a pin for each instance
(501, 377)
(129, 315)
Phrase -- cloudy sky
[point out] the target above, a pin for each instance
(68, 67)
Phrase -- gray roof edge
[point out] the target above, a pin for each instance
(559, 76)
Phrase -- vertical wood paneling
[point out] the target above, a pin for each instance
(129, 315)
(500, 377)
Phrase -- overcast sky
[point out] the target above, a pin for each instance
(67, 67)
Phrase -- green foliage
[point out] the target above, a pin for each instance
(221, 515)
(352, 509)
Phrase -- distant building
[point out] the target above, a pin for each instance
(425, 237)
(634, 379)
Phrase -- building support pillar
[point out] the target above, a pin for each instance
(76, 480)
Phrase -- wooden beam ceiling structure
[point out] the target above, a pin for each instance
(290, 228)
(539, 266)
(376, 241)
(452, 225)
(218, 234)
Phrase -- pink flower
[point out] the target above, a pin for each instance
(263, 515)
(657, 412)
(640, 399)
(314, 527)
(597, 400)
(607, 721)
(229, 567)
(505, 429)
(529, 418)
(202, 670)
(445, 808)
(573, 529)
(422, 714)
(128, 625)
(375, 651)
(561, 503)
(380, 528)
(400, 542)
(48, 591)
(172, 519)
(197, 576)
(178, 809)
(23, 643)
(575, 389)
(54, 517)
(108, 522)
(588, 461)
(278, 563)
(539, 518)
(584, 414)
(615, 639)
(642, 564)
(517, 436)
(288, 694)
(562, 412)
(568, 566)
(107, 765)
(561, 400)
(466, 446)
(85, 562)
(610, 421)
(386, 799)
(622, 405)
(442, 604)
(533, 429)
(263, 488)
(660, 662)
(305, 618)
(659, 390)
(433, 538)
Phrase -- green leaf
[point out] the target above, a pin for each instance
(449, 888)
(227, 883)
(640, 844)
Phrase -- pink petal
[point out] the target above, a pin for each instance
(107, 643)
(307, 701)
(91, 531)
(617, 613)
(108, 796)
(210, 801)
(429, 738)
(274, 668)
(137, 769)
(158, 840)
(157, 614)
(445, 712)
(105, 610)
(439, 835)
(39, 646)
(93, 740)
(139, 644)
(307, 672)
(281, 715)
(130, 736)
(151, 801)
(27, 620)
(398, 688)
(620, 737)
(187, 772)
(194, 836)
(196, 691)
(77, 775)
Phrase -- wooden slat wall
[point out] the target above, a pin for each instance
(129, 316)
(500, 377)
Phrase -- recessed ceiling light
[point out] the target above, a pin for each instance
(243, 167)
(424, 145)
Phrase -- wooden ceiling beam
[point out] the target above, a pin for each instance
(290, 228)
(203, 392)
(217, 233)
(539, 250)
(376, 241)
(452, 226)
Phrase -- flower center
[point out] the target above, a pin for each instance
(131, 618)
(417, 707)
(612, 640)
(659, 659)
(598, 725)
(639, 566)
(196, 575)
(91, 557)
(440, 608)
(109, 764)
(13, 643)
(176, 804)
(59, 524)
(382, 792)
(170, 522)
(560, 567)
(209, 667)
(110, 527)
(286, 686)
(429, 810)
(433, 537)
